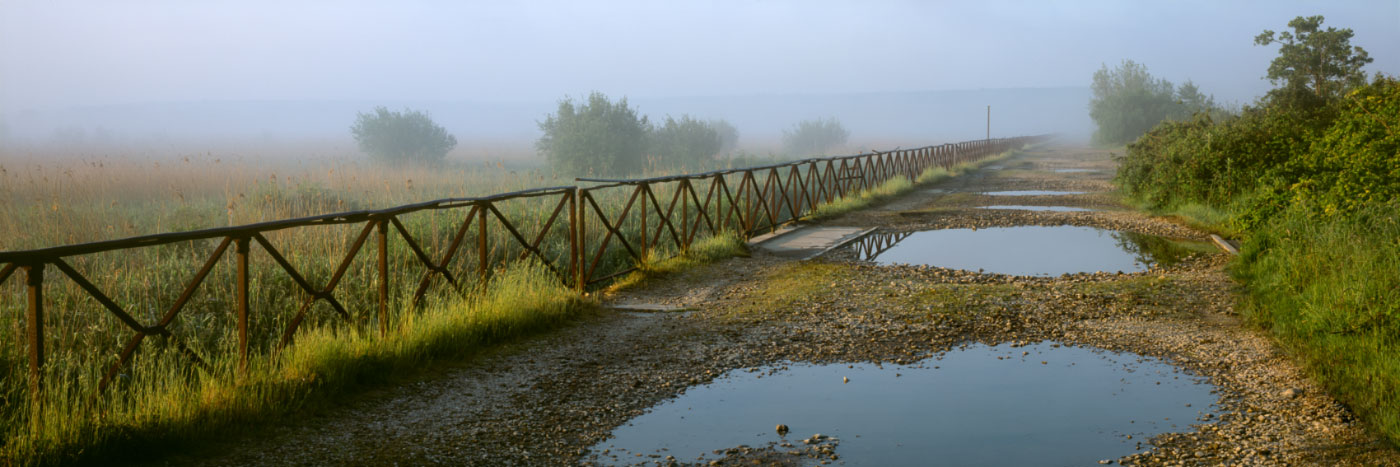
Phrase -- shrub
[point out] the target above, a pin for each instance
(684, 143)
(408, 136)
(1357, 160)
(812, 137)
(595, 137)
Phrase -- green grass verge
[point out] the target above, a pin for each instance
(166, 402)
(1330, 293)
(1328, 290)
(726, 244)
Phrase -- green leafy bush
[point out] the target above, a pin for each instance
(398, 137)
(684, 143)
(1357, 161)
(596, 137)
(1216, 161)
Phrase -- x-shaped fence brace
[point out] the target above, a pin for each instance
(787, 192)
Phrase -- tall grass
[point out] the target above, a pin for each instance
(1330, 293)
(164, 400)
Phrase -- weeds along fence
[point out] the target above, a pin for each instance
(235, 292)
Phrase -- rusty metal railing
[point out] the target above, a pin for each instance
(747, 201)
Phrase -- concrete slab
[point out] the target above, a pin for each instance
(774, 234)
(809, 242)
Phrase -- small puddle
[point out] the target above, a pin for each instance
(1074, 171)
(1018, 207)
(1042, 404)
(1028, 250)
(1032, 193)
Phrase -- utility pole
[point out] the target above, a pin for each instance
(989, 122)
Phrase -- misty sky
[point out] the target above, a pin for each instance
(62, 54)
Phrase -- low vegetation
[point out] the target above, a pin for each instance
(1310, 178)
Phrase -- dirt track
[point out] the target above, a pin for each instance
(545, 400)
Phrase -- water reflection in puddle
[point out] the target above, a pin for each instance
(1027, 250)
(1032, 193)
(1054, 405)
(1018, 207)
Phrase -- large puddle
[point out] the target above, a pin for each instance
(1028, 250)
(1042, 404)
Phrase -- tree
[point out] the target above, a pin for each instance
(728, 135)
(1314, 61)
(596, 137)
(1127, 101)
(408, 136)
(1190, 100)
(684, 143)
(810, 137)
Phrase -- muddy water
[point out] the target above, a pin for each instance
(1037, 250)
(1020, 207)
(981, 405)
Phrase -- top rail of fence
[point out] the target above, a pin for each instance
(348, 217)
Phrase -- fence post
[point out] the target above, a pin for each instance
(582, 231)
(748, 202)
(483, 269)
(34, 283)
(240, 249)
(685, 219)
(574, 239)
(383, 238)
(644, 189)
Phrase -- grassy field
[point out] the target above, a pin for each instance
(161, 396)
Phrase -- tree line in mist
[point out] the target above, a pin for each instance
(1315, 67)
(594, 136)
